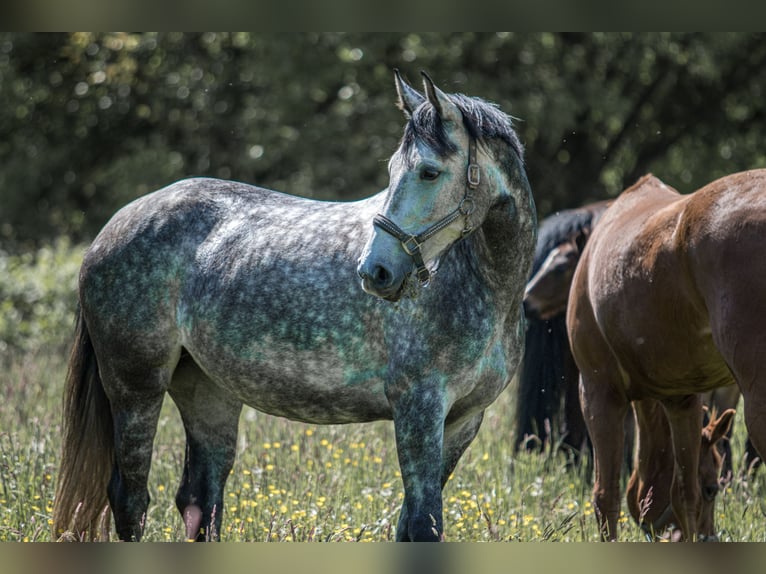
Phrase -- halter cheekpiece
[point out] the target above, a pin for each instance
(412, 243)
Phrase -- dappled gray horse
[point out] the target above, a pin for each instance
(222, 294)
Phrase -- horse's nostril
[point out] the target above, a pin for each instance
(382, 276)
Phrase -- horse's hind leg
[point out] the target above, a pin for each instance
(685, 419)
(604, 410)
(211, 419)
(136, 403)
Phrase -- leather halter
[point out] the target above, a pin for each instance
(412, 243)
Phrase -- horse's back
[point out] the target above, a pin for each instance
(636, 301)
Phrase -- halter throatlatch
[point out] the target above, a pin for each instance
(412, 243)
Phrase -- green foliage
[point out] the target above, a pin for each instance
(91, 121)
(38, 299)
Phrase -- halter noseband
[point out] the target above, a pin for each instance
(412, 243)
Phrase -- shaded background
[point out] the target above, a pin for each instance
(92, 121)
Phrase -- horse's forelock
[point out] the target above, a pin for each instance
(482, 120)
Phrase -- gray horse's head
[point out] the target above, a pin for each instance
(443, 179)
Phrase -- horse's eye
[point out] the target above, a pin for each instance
(429, 174)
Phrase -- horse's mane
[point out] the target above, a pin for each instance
(482, 119)
(561, 226)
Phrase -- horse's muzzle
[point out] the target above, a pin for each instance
(379, 281)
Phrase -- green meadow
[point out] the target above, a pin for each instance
(298, 482)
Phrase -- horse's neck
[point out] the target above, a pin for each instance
(505, 243)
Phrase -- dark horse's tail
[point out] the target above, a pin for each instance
(548, 384)
(81, 505)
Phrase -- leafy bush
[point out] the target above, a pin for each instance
(38, 299)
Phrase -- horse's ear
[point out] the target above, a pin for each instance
(409, 98)
(440, 101)
(718, 427)
(581, 239)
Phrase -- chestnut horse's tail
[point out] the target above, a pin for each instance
(81, 509)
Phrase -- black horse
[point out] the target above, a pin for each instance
(548, 408)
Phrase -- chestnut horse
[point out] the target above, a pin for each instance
(667, 303)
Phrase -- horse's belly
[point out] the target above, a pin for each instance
(310, 389)
(677, 368)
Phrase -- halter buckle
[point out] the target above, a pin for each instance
(424, 276)
(411, 245)
(467, 206)
(474, 175)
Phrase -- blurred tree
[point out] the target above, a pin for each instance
(91, 121)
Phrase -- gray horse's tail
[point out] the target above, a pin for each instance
(80, 510)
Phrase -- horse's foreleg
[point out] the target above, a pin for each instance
(419, 428)
(685, 418)
(211, 419)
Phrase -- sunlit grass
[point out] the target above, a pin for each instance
(298, 482)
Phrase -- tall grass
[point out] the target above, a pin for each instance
(298, 482)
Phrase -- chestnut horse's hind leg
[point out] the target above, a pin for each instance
(685, 419)
(755, 421)
(211, 420)
(604, 410)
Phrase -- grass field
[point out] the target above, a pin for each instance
(297, 482)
